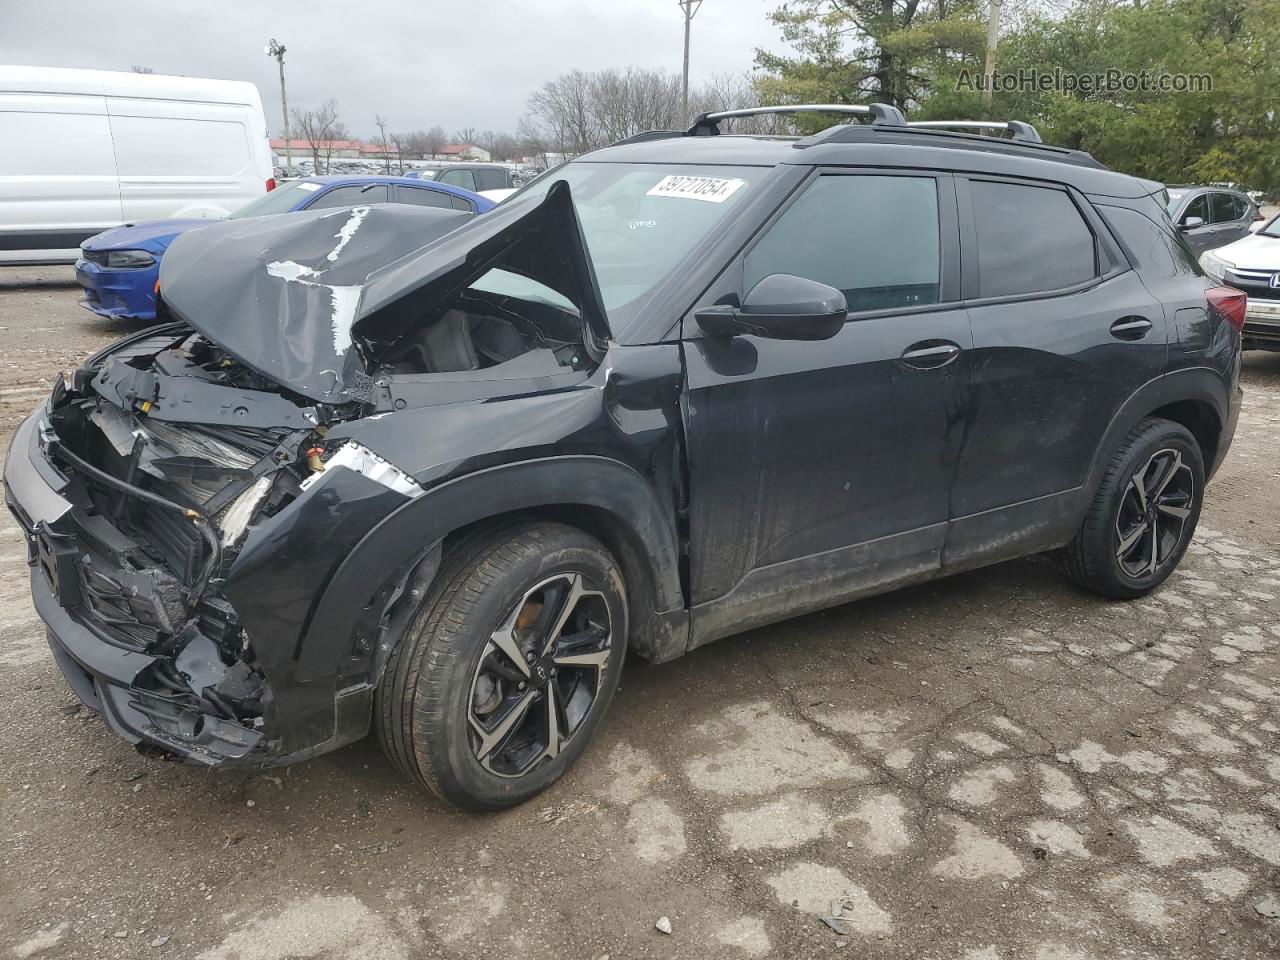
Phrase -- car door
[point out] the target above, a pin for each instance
(819, 471)
(1199, 238)
(1063, 333)
(1229, 223)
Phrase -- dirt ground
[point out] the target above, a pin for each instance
(991, 767)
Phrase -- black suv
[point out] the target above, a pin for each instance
(436, 473)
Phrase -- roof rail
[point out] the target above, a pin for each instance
(1023, 132)
(882, 114)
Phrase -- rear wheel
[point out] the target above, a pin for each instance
(1143, 515)
(509, 666)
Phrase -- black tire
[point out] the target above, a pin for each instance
(449, 668)
(1104, 558)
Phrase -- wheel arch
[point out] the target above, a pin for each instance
(602, 497)
(1198, 398)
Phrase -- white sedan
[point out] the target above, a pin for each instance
(1252, 264)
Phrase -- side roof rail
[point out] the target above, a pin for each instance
(1022, 132)
(882, 114)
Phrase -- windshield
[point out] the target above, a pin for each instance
(282, 199)
(641, 220)
(1174, 197)
(1271, 229)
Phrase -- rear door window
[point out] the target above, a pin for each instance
(1224, 208)
(491, 179)
(1029, 239)
(875, 238)
(423, 197)
(351, 196)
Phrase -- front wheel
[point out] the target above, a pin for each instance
(509, 666)
(1143, 515)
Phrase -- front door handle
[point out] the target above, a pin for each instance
(1131, 328)
(930, 354)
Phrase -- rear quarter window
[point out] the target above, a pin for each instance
(1160, 251)
(1030, 239)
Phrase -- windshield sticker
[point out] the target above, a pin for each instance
(308, 186)
(710, 189)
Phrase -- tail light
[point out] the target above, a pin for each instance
(271, 184)
(1230, 304)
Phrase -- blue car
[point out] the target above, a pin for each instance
(119, 268)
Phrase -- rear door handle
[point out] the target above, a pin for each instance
(930, 354)
(1131, 328)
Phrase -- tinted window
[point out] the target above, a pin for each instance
(1030, 239)
(462, 203)
(1242, 207)
(351, 196)
(492, 179)
(458, 178)
(1199, 207)
(1224, 208)
(874, 238)
(423, 197)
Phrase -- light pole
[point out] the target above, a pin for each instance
(276, 49)
(690, 9)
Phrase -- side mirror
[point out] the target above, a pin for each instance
(780, 307)
(1190, 223)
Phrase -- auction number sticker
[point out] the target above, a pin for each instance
(709, 189)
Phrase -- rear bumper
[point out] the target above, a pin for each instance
(118, 294)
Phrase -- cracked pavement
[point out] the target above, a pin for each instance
(994, 766)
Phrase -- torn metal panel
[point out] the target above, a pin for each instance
(281, 294)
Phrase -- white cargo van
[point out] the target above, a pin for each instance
(84, 150)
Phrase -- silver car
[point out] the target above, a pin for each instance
(1210, 217)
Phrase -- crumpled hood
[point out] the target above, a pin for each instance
(296, 298)
(280, 294)
(145, 233)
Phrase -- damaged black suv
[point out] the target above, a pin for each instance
(434, 473)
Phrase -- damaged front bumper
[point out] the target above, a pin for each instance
(105, 675)
(136, 646)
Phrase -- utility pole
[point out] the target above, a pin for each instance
(993, 32)
(690, 9)
(276, 49)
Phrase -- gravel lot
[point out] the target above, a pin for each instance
(991, 767)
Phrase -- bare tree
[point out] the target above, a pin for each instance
(380, 122)
(434, 140)
(319, 128)
(579, 111)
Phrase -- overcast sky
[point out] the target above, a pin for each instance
(452, 62)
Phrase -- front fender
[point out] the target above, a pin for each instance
(410, 530)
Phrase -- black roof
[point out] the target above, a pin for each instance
(881, 146)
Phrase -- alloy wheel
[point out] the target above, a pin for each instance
(539, 676)
(1153, 513)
